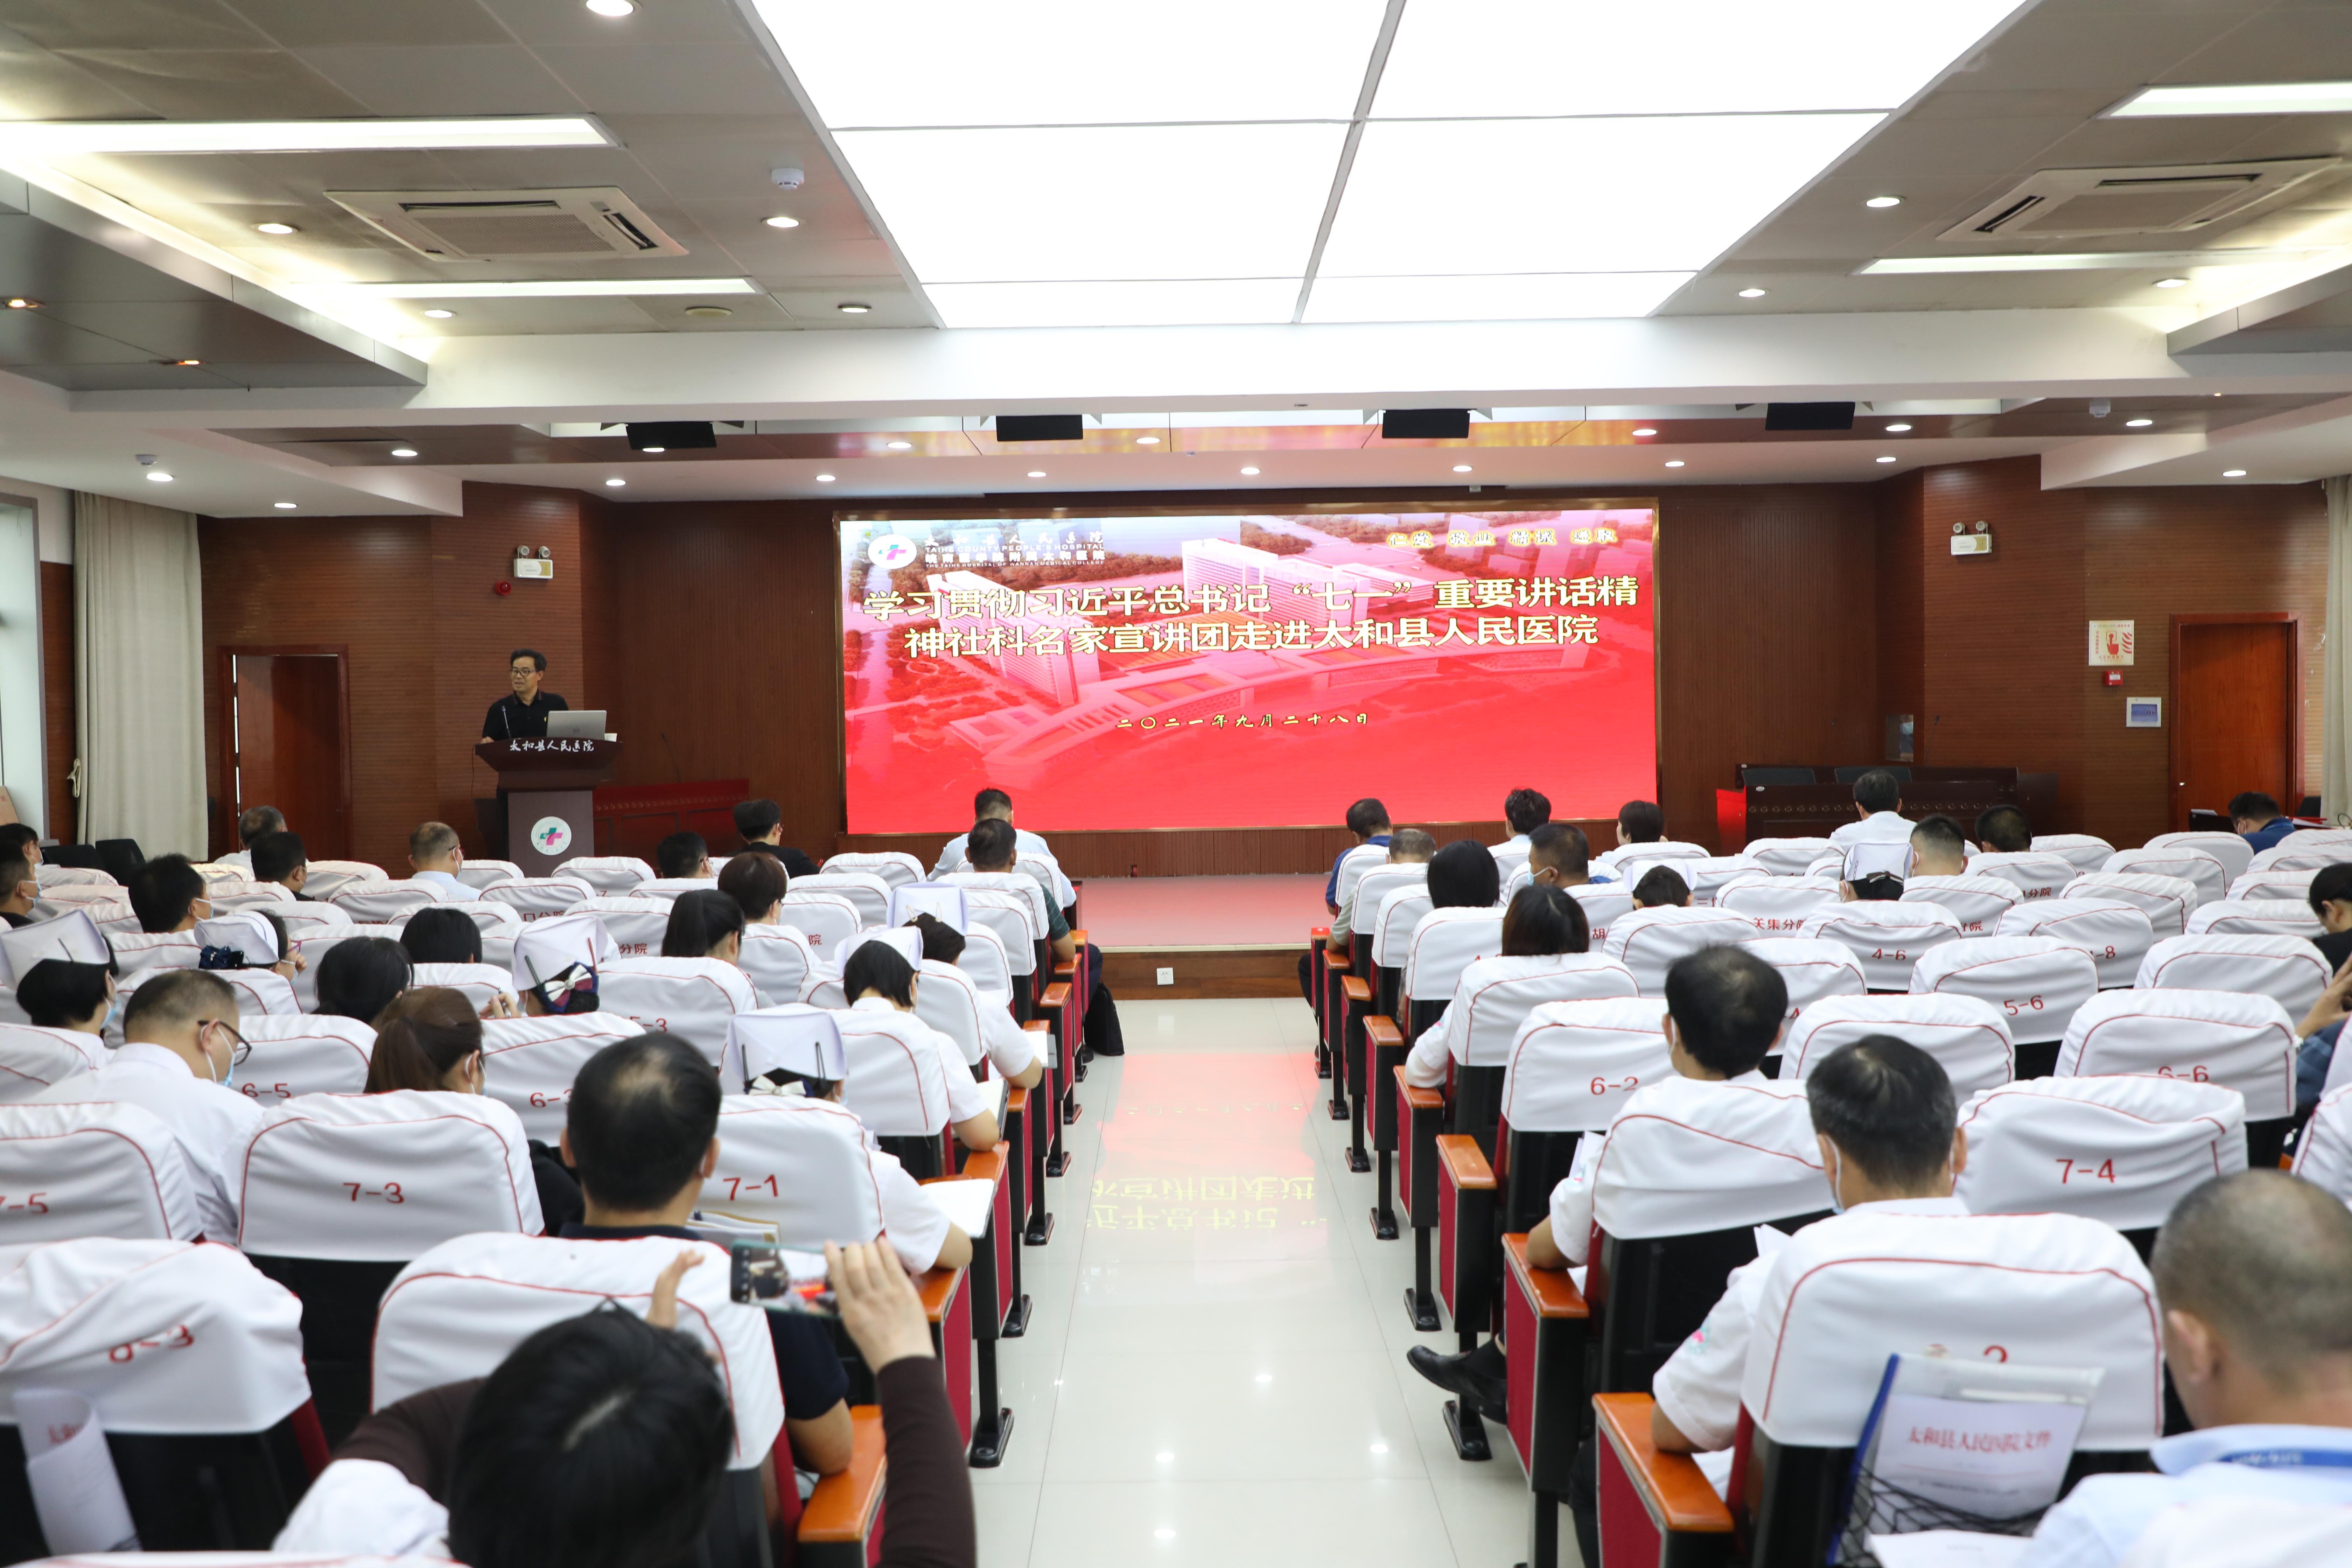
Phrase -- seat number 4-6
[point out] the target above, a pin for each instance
(2105, 1171)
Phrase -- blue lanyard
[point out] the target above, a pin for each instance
(2292, 1459)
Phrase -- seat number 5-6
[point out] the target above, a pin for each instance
(2014, 1006)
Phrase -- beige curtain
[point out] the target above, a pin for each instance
(139, 675)
(2334, 744)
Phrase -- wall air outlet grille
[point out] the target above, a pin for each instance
(2065, 204)
(512, 226)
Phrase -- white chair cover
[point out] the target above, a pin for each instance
(2115, 934)
(2037, 876)
(608, 874)
(527, 1064)
(275, 897)
(48, 877)
(637, 925)
(304, 1053)
(481, 874)
(948, 1002)
(2083, 851)
(536, 898)
(2256, 887)
(1605, 903)
(457, 1310)
(380, 1178)
(481, 983)
(2245, 1043)
(826, 920)
(1496, 995)
(94, 1168)
(1677, 1163)
(1663, 849)
(896, 867)
(667, 888)
(1003, 914)
(2234, 852)
(1787, 857)
(2192, 865)
(1965, 1034)
(2323, 1154)
(2286, 969)
(867, 893)
(389, 903)
(2038, 1290)
(314, 948)
(1393, 924)
(325, 878)
(798, 1164)
(692, 998)
(33, 1057)
(1977, 902)
(896, 1085)
(1888, 936)
(164, 1337)
(1776, 905)
(2035, 983)
(778, 959)
(2168, 901)
(1442, 947)
(1375, 885)
(312, 919)
(905, 939)
(983, 958)
(1029, 890)
(1647, 941)
(2121, 1150)
(2305, 851)
(137, 952)
(1810, 967)
(1509, 860)
(2256, 917)
(1354, 864)
(1707, 877)
(260, 993)
(105, 905)
(491, 916)
(1574, 1064)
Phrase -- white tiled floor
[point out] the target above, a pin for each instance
(1216, 1375)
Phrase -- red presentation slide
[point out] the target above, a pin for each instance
(1174, 669)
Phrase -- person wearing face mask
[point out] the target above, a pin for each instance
(63, 971)
(179, 1059)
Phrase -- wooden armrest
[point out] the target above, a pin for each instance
(1336, 963)
(1459, 1151)
(1317, 933)
(1551, 1291)
(1382, 1031)
(1355, 990)
(938, 1290)
(1039, 1026)
(844, 1508)
(1419, 1099)
(1057, 997)
(987, 1166)
(1077, 936)
(1016, 1101)
(1672, 1486)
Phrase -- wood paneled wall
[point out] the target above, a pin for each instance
(60, 711)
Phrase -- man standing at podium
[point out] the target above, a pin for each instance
(523, 716)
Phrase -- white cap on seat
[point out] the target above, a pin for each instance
(73, 937)
(244, 932)
(547, 948)
(794, 1038)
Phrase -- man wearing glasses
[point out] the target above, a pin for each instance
(523, 716)
(179, 1058)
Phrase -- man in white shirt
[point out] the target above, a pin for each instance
(1878, 806)
(1525, 810)
(179, 1057)
(995, 802)
(435, 859)
(2255, 1275)
(251, 824)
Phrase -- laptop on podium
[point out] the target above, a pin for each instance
(577, 724)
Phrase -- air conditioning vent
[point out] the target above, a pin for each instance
(2065, 204)
(512, 226)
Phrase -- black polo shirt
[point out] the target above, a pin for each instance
(511, 719)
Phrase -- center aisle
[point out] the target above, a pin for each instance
(1216, 1376)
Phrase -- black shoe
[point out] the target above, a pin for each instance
(1464, 1377)
(1118, 1050)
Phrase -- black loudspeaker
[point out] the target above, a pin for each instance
(1013, 427)
(672, 435)
(1425, 424)
(1809, 417)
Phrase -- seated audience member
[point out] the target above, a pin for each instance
(2003, 830)
(1725, 1013)
(1937, 848)
(167, 894)
(683, 855)
(2254, 816)
(1525, 811)
(760, 824)
(59, 994)
(1638, 822)
(1877, 807)
(992, 844)
(430, 1038)
(1661, 887)
(879, 979)
(756, 882)
(2331, 900)
(990, 805)
(435, 857)
(252, 823)
(247, 938)
(2321, 1027)
(22, 888)
(1367, 820)
(1541, 923)
(2254, 1272)
(1560, 856)
(616, 1429)
(441, 936)
(1407, 846)
(360, 975)
(1463, 876)
(280, 857)
(1011, 1050)
(705, 923)
(22, 839)
(1874, 871)
(555, 963)
(179, 1058)
(642, 1132)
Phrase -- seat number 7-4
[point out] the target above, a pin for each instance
(2103, 1171)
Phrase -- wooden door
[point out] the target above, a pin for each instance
(2237, 712)
(288, 745)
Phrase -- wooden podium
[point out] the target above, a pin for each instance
(548, 790)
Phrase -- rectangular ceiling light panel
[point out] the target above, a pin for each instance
(1535, 58)
(62, 138)
(1116, 202)
(1076, 62)
(2257, 97)
(1572, 195)
(1557, 296)
(1182, 303)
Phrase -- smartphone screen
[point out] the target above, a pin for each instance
(762, 1274)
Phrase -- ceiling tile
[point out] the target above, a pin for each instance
(559, 22)
(331, 24)
(446, 79)
(131, 24)
(41, 86)
(218, 84)
(670, 78)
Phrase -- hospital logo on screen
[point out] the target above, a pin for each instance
(551, 836)
(891, 552)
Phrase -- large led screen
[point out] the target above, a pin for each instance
(1176, 669)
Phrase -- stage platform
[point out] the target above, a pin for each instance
(1223, 936)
